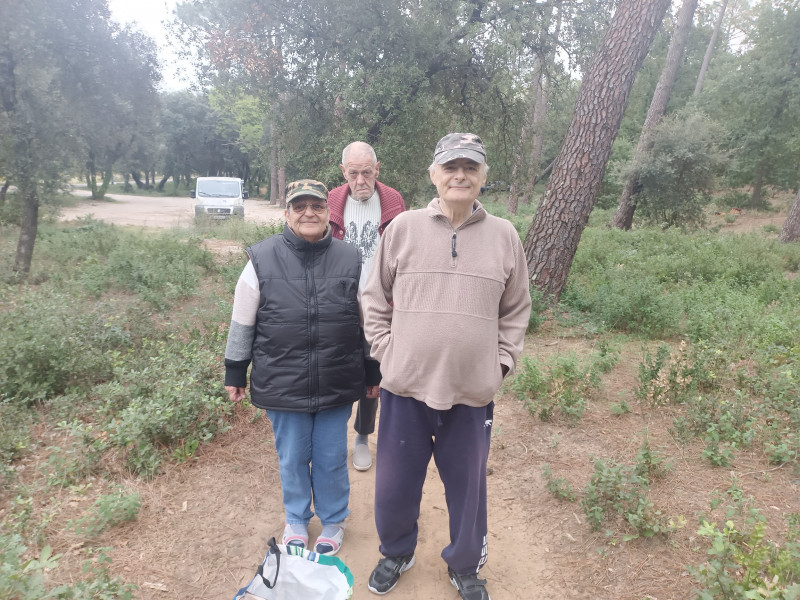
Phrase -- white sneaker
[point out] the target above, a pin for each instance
(362, 459)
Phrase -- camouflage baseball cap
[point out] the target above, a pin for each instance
(459, 145)
(306, 187)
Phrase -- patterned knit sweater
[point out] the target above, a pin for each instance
(444, 308)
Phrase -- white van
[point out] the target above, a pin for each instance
(219, 197)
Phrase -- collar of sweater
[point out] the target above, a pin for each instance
(373, 197)
(478, 213)
(301, 245)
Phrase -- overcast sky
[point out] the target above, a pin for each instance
(148, 15)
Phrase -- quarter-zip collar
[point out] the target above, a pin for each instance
(478, 214)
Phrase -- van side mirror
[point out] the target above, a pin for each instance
(191, 194)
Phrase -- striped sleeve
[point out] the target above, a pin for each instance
(239, 349)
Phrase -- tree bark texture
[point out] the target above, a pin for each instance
(710, 49)
(28, 228)
(790, 232)
(623, 219)
(555, 232)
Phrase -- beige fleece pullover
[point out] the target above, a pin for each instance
(441, 325)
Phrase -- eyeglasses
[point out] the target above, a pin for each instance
(317, 207)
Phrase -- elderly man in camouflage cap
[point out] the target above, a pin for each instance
(296, 320)
(446, 307)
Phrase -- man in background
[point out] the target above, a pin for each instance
(360, 210)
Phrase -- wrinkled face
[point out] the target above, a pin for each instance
(459, 181)
(308, 217)
(361, 174)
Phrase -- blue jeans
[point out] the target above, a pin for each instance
(312, 453)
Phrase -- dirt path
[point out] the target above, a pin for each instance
(161, 212)
(204, 526)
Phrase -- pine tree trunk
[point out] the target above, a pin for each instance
(790, 232)
(623, 219)
(28, 228)
(710, 49)
(556, 229)
(758, 184)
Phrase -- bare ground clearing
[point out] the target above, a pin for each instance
(160, 212)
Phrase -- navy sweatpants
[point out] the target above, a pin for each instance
(409, 433)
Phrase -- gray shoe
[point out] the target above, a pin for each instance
(362, 459)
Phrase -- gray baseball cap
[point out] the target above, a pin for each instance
(459, 145)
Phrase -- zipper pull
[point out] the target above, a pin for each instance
(454, 245)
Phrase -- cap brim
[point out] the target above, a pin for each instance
(306, 194)
(449, 155)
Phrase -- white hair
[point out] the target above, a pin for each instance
(363, 147)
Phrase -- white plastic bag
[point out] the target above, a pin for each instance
(292, 573)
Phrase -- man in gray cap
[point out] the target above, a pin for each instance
(446, 307)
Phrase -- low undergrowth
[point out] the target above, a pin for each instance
(110, 367)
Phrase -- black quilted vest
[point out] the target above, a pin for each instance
(307, 353)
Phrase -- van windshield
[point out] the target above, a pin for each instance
(218, 189)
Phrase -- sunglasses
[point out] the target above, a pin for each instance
(317, 207)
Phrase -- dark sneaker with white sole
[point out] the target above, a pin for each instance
(469, 586)
(385, 576)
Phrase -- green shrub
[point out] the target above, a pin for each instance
(559, 487)
(106, 512)
(745, 564)
(14, 437)
(173, 394)
(539, 307)
(564, 387)
(54, 341)
(71, 464)
(733, 199)
(621, 490)
(668, 378)
(24, 578)
(159, 267)
(678, 174)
